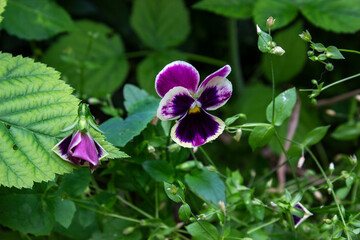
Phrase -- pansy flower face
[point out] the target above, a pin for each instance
(183, 99)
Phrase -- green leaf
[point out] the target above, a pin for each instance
(347, 131)
(35, 107)
(149, 67)
(227, 8)
(160, 170)
(207, 185)
(74, 184)
(184, 212)
(341, 16)
(284, 11)
(341, 193)
(289, 65)
(91, 59)
(315, 135)
(284, 105)
(36, 19)
(142, 109)
(333, 53)
(160, 24)
(2, 8)
(202, 230)
(319, 47)
(260, 136)
(64, 211)
(263, 41)
(26, 213)
(117, 229)
(174, 192)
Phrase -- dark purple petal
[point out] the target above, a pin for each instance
(215, 93)
(222, 72)
(82, 149)
(175, 104)
(64, 144)
(177, 74)
(296, 218)
(196, 128)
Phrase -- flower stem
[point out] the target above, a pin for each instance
(349, 50)
(234, 53)
(273, 90)
(340, 81)
(134, 207)
(262, 226)
(330, 186)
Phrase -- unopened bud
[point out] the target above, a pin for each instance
(331, 167)
(327, 221)
(151, 149)
(274, 205)
(195, 149)
(258, 30)
(93, 101)
(201, 217)
(173, 189)
(305, 35)
(222, 206)
(252, 173)
(310, 53)
(128, 230)
(318, 195)
(353, 159)
(270, 22)
(357, 97)
(329, 67)
(174, 147)
(301, 162)
(269, 183)
(238, 135)
(330, 112)
(277, 51)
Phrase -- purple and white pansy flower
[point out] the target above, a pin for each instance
(182, 98)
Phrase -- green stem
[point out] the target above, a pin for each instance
(349, 50)
(134, 207)
(355, 189)
(262, 226)
(207, 157)
(273, 90)
(204, 59)
(340, 81)
(330, 186)
(235, 59)
(156, 200)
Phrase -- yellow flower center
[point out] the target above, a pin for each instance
(196, 109)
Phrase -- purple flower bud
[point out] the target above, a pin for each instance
(298, 220)
(80, 148)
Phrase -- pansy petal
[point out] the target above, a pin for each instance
(62, 147)
(177, 74)
(222, 72)
(101, 151)
(175, 104)
(215, 93)
(85, 150)
(196, 129)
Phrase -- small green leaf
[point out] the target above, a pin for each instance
(341, 16)
(150, 66)
(284, 105)
(341, 193)
(289, 65)
(333, 53)
(207, 185)
(319, 47)
(228, 8)
(315, 135)
(174, 192)
(91, 59)
(160, 170)
(260, 136)
(64, 211)
(184, 212)
(160, 24)
(263, 42)
(36, 19)
(202, 230)
(284, 11)
(347, 131)
(142, 109)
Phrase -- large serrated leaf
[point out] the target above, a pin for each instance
(36, 19)
(35, 107)
(2, 8)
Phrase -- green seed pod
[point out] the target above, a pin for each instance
(329, 67)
